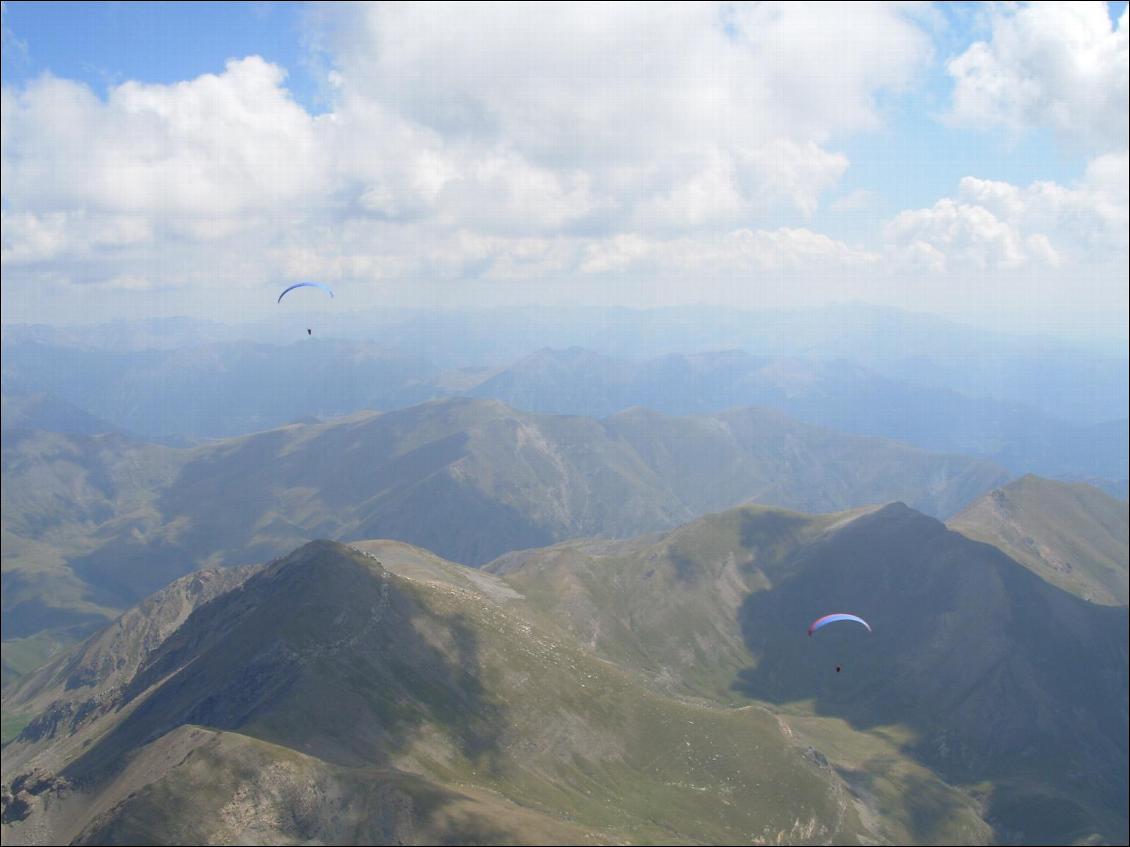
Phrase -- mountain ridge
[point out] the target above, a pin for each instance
(94, 523)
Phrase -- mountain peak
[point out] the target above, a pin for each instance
(1071, 534)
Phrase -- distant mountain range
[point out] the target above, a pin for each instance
(838, 394)
(219, 390)
(94, 523)
(660, 688)
(222, 389)
(28, 410)
(1082, 383)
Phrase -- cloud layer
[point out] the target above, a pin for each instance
(1055, 65)
(551, 143)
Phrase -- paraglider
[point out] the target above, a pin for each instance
(820, 623)
(288, 289)
(308, 309)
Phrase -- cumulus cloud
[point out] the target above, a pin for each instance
(596, 82)
(1053, 65)
(197, 157)
(680, 116)
(954, 234)
(996, 225)
(560, 143)
(494, 141)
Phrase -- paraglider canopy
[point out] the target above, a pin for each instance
(324, 288)
(839, 616)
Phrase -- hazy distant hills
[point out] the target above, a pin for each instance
(602, 690)
(233, 388)
(1073, 536)
(223, 389)
(1083, 384)
(29, 410)
(838, 394)
(331, 698)
(98, 522)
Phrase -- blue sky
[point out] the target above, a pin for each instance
(943, 158)
(104, 44)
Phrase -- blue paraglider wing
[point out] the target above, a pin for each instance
(324, 288)
(827, 619)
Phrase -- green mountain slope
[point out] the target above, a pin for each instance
(447, 689)
(977, 670)
(230, 788)
(1072, 535)
(660, 688)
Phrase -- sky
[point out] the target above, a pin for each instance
(964, 160)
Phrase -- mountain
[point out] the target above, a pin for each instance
(211, 389)
(223, 389)
(125, 335)
(835, 393)
(1071, 535)
(762, 456)
(29, 410)
(61, 495)
(1084, 383)
(977, 669)
(332, 696)
(1119, 489)
(93, 524)
(660, 688)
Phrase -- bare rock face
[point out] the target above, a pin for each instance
(80, 686)
(29, 791)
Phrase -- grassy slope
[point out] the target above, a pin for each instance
(981, 671)
(569, 681)
(225, 787)
(329, 654)
(1071, 535)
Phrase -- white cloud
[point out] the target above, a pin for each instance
(1054, 65)
(676, 116)
(994, 224)
(491, 140)
(953, 235)
(681, 146)
(1090, 217)
(595, 82)
(784, 249)
(200, 158)
(31, 238)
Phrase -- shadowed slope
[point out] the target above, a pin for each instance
(977, 669)
(997, 674)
